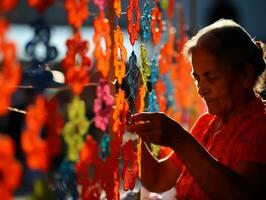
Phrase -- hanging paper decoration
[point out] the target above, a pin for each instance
(40, 5)
(89, 169)
(7, 5)
(130, 169)
(156, 25)
(117, 8)
(10, 168)
(77, 12)
(76, 128)
(36, 148)
(145, 69)
(102, 106)
(102, 33)
(119, 51)
(132, 76)
(146, 22)
(76, 64)
(119, 114)
(133, 17)
(100, 4)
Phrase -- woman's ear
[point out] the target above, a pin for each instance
(248, 76)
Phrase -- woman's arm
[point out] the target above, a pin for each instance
(217, 180)
(158, 175)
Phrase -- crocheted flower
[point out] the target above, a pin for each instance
(156, 25)
(132, 76)
(145, 69)
(36, 148)
(40, 5)
(100, 4)
(117, 7)
(140, 100)
(102, 105)
(76, 128)
(10, 169)
(77, 12)
(130, 170)
(76, 64)
(88, 170)
(102, 33)
(10, 75)
(133, 22)
(7, 5)
(119, 63)
(119, 114)
(146, 22)
(54, 126)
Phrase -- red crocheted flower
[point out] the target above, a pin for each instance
(54, 125)
(119, 64)
(40, 5)
(102, 33)
(35, 148)
(130, 170)
(156, 25)
(10, 169)
(88, 177)
(7, 5)
(77, 11)
(76, 64)
(133, 16)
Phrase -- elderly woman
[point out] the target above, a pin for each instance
(224, 156)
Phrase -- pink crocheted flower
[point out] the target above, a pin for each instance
(102, 105)
(100, 4)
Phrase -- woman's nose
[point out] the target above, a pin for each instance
(203, 88)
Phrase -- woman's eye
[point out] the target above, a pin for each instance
(212, 78)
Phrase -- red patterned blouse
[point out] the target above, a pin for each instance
(242, 139)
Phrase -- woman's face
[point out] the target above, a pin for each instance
(217, 84)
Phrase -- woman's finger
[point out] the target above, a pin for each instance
(144, 116)
(141, 127)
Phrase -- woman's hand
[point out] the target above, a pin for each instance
(156, 128)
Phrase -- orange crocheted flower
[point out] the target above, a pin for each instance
(140, 100)
(120, 114)
(102, 33)
(130, 170)
(35, 148)
(10, 75)
(133, 17)
(7, 5)
(40, 5)
(156, 25)
(160, 89)
(76, 63)
(77, 11)
(119, 64)
(117, 8)
(10, 169)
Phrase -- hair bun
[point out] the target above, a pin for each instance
(262, 48)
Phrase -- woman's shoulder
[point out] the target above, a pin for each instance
(202, 124)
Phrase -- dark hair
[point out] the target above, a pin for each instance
(231, 44)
